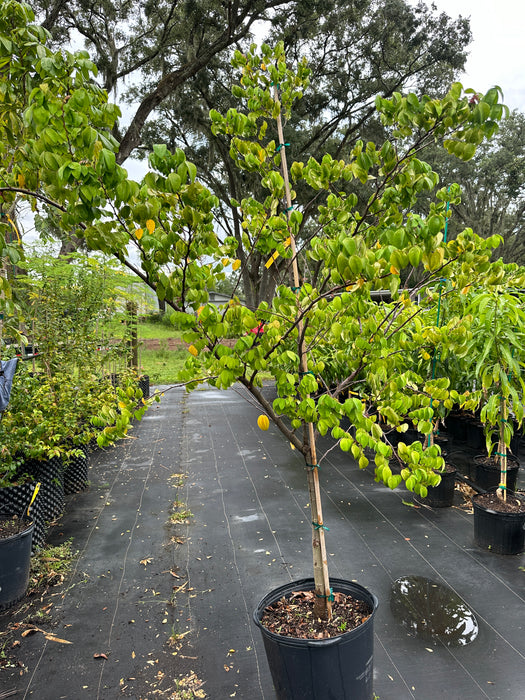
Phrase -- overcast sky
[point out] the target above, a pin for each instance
(497, 52)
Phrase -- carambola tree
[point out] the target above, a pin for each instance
(345, 356)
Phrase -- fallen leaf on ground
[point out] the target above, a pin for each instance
(146, 561)
(52, 638)
(177, 590)
(100, 656)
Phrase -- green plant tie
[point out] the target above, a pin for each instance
(503, 488)
(289, 208)
(446, 219)
(500, 454)
(281, 145)
(295, 289)
(312, 466)
(320, 526)
(301, 374)
(330, 597)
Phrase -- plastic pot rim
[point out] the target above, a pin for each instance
(490, 510)
(30, 525)
(308, 584)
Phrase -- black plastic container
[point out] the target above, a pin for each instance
(76, 472)
(457, 426)
(339, 668)
(442, 495)
(475, 435)
(502, 533)
(15, 561)
(144, 385)
(50, 474)
(487, 476)
(16, 499)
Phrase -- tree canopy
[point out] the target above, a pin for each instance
(168, 63)
(493, 188)
(161, 44)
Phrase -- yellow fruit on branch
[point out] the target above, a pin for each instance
(263, 422)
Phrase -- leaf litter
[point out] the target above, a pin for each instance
(293, 616)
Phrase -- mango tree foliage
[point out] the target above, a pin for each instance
(495, 360)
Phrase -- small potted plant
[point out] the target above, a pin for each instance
(498, 337)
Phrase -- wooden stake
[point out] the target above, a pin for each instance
(502, 449)
(323, 605)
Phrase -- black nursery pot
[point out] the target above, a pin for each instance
(442, 495)
(502, 533)
(487, 476)
(338, 668)
(16, 500)
(50, 474)
(144, 385)
(15, 561)
(76, 472)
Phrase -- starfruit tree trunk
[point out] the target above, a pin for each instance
(323, 593)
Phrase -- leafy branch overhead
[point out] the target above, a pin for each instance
(367, 297)
(61, 154)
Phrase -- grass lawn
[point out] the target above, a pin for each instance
(162, 365)
(146, 331)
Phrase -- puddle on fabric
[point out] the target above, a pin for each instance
(249, 453)
(432, 611)
(247, 518)
(212, 395)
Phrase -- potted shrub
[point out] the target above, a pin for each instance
(498, 337)
(49, 420)
(68, 300)
(326, 303)
(366, 234)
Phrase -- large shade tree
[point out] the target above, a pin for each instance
(169, 62)
(493, 188)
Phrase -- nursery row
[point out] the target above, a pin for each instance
(44, 459)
